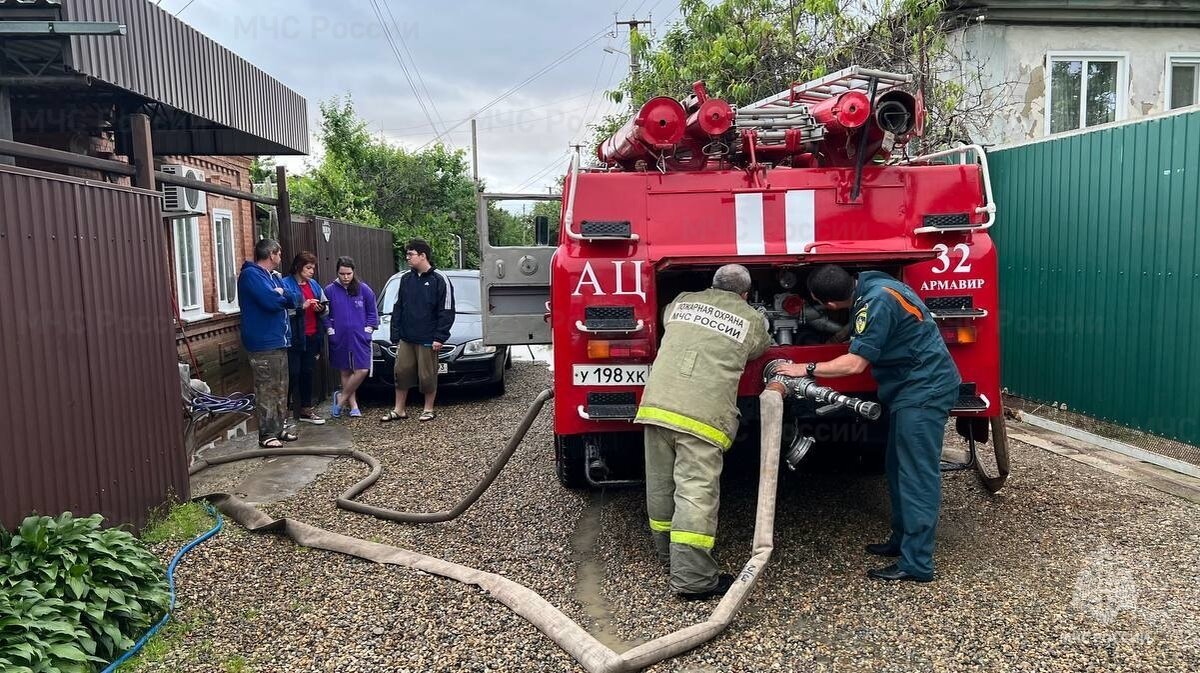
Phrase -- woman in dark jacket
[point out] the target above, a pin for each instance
(309, 324)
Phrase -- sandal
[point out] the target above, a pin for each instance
(288, 436)
(271, 443)
(393, 415)
(426, 416)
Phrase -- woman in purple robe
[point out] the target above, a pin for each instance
(352, 319)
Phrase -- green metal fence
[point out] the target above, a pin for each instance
(1100, 273)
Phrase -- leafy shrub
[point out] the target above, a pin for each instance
(74, 597)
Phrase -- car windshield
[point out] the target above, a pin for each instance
(466, 294)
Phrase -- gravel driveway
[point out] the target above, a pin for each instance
(1067, 569)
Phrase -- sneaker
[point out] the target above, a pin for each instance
(334, 409)
(311, 417)
(355, 413)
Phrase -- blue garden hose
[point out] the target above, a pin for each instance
(171, 584)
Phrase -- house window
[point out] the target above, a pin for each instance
(225, 266)
(190, 289)
(1085, 90)
(1183, 80)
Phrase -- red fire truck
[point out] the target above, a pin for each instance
(815, 174)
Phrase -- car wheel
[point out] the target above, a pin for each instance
(569, 461)
(496, 389)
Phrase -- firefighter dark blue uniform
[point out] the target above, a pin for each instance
(918, 383)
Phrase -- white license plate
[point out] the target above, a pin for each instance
(443, 367)
(611, 375)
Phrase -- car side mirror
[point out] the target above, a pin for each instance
(541, 230)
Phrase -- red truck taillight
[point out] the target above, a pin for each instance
(961, 333)
(604, 349)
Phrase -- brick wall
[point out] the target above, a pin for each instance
(215, 341)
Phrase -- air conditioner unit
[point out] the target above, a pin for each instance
(178, 199)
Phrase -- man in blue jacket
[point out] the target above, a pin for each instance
(421, 321)
(266, 335)
(894, 333)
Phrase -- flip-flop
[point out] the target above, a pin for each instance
(271, 443)
(392, 415)
(426, 416)
(286, 436)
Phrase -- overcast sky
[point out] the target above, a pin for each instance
(467, 53)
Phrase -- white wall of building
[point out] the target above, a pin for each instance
(1007, 65)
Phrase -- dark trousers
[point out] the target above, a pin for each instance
(914, 475)
(301, 364)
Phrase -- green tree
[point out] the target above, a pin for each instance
(262, 169)
(417, 194)
(745, 50)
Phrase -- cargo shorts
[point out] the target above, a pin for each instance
(416, 366)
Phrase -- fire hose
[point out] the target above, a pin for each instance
(593, 655)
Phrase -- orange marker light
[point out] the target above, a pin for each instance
(598, 350)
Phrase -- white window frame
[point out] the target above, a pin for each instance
(215, 216)
(1181, 58)
(1122, 59)
(189, 312)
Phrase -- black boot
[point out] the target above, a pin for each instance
(724, 581)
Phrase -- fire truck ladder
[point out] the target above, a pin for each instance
(818, 90)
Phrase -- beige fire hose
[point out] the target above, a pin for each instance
(571, 637)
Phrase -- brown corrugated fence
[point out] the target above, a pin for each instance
(370, 247)
(90, 396)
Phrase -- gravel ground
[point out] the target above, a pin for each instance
(1067, 569)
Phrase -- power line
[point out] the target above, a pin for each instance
(503, 112)
(189, 4)
(387, 34)
(536, 176)
(491, 127)
(595, 86)
(404, 44)
(612, 71)
(511, 90)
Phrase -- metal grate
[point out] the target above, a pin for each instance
(611, 405)
(968, 400)
(948, 221)
(1132, 436)
(608, 317)
(938, 304)
(597, 228)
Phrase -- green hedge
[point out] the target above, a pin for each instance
(74, 597)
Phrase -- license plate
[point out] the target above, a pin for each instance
(443, 367)
(611, 375)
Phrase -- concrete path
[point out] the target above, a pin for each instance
(1162, 479)
(266, 480)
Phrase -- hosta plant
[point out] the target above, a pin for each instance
(74, 596)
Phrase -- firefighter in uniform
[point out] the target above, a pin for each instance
(689, 408)
(893, 331)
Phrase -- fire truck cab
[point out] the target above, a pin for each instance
(815, 174)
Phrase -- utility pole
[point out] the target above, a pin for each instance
(474, 152)
(634, 65)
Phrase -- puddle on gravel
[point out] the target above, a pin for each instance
(589, 578)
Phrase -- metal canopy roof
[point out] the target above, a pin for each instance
(203, 98)
(1174, 13)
